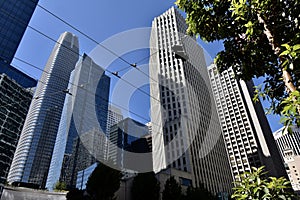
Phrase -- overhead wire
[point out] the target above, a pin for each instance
(113, 73)
(134, 65)
(98, 96)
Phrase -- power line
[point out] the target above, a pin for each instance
(84, 34)
(113, 73)
(106, 48)
(96, 95)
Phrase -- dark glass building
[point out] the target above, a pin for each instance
(127, 135)
(14, 104)
(14, 18)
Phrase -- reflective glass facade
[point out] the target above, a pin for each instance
(34, 151)
(14, 105)
(14, 18)
(85, 118)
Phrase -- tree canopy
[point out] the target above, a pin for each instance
(60, 186)
(145, 186)
(103, 183)
(172, 190)
(261, 39)
(198, 193)
(254, 185)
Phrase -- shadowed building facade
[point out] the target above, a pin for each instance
(247, 133)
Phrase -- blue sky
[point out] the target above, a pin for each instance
(100, 20)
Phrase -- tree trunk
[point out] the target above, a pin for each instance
(287, 79)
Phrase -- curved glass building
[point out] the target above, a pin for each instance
(34, 150)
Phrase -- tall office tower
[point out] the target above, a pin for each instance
(114, 115)
(186, 133)
(289, 147)
(14, 105)
(247, 133)
(14, 18)
(285, 140)
(34, 151)
(85, 112)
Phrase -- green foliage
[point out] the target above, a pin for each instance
(290, 108)
(254, 185)
(103, 183)
(198, 193)
(75, 194)
(145, 186)
(172, 190)
(261, 39)
(60, 186)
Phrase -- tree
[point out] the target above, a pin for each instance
(261, 39)
(75, 194)
(172, 190)
(103, 183)
(60, 186)
(145, 186)
(254, 185)
(198, 193)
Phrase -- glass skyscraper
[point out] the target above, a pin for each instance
(85, 118)
(14, 104)
(186, 133)
(14, 18)
(34, 151)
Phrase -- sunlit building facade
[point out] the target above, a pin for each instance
(186, 133)
(34, 151)
(84, 117)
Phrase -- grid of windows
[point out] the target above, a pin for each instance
(238, 132)
(12, 116)
(246, 131)
(185, 113)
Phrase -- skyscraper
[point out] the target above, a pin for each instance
(285, 140)
(186, 134)
(289, 147)
(85, 112)
(247, 133)
(33, 154)
(14, 104)
(114, 115)
(14, 18)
